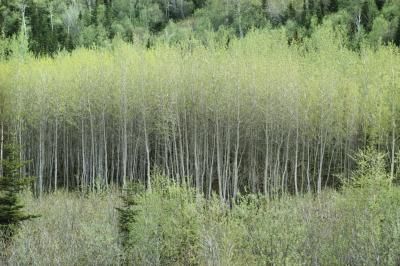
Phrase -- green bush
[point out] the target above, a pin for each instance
(161, 227)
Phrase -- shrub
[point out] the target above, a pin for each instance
(161, 227)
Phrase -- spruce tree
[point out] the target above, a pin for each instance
(311, 7)
(305, 18)
(397, 34)
(333, 6)
(366, 19)
(320, 12)
(265, 7)
(11, 184)
(291, 12)
(129, 211)
(380, 4)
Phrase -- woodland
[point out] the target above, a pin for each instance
(177, 132)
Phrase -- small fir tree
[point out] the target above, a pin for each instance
(311, 7)
(333, 6)
(380, 4)
(320, 12)
(366, 18)
(397, 34)
(11, 184)
(290, 13)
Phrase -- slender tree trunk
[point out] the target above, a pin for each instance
(295, 162)
(196, 159)
(56, 155)
(125, 149)
(105, 177)
(236, 165)
(285, 171)
(329, 166)
(175, 159)
(65, 159)
(219, 163)
(1, 147)
(393, 159)
(84, 174)
(181, 153)
(277, 174)
(321, 162)
(147, 146)
(92, 151)
(239, 13)
(226, 162)
(41, 158)
(308, 167)
(211, 177)
(266, 187)
(21, 156)
(166, 150)
(186, 139)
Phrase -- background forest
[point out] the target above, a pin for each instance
(176, 132)
(54, 25)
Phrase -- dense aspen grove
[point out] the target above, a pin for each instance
(258, 116)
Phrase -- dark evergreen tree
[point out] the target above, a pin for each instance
(42, 40)
(380, 4)
(320, 12)
(290, 12)
(366, 17)
(129, 211)
(265, 7)
(199, 3)
(11, 184)
(305, 18)
(397, 34)
(311, 7)
(108, 17)
(93, 17)
(333, 6)
(10, 18)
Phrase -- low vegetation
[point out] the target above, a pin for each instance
(74, 229)
(173, 225)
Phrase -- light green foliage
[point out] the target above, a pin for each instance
(357, 226)
(371, 170)
(308, 104)
(380, 31)
(163, 226)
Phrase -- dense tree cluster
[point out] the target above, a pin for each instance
(261, 116)
(54, 25)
